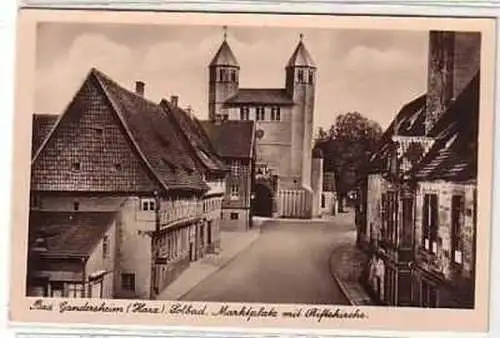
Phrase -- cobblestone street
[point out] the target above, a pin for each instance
(288, 263)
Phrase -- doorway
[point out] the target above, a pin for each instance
(263, 203)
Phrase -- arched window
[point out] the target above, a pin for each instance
(311, 77)
(300, 76)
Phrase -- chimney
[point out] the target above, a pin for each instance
(139, 88)
(174, 99)
(454, 59)
(189, 110)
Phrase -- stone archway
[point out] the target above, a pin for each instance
(264, 199)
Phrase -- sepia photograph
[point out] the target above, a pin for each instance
(230, 163)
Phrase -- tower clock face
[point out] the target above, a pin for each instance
(259, 133)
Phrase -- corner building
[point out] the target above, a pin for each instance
(284, 130)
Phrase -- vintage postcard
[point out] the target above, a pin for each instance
(253, 170)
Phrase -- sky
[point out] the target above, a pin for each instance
(374, 72)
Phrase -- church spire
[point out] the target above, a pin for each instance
(301, 57)
(224, 56)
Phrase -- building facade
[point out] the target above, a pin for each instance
(284, 129)
(209, 164)
(72, 254)
(234, 141)
(404, 217)
(112, 150)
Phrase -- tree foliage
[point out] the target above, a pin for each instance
(347, 147)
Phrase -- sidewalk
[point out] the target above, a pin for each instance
(346, 264)
(232, 244)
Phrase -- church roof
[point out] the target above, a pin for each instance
(265, 96)
(224, 56)
(301, 57)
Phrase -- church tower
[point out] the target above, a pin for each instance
(223, 79)
(300, 85)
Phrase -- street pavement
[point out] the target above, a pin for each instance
(288, 263)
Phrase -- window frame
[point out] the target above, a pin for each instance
(148, 204)
(235, 192)
(457, 223)
(244, 113)
(430, 222)
(105, 246)
(127, 281)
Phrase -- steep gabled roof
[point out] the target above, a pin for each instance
(453, 156)
(408, 122)
(154, 138)
(42, 125)
(224, 57)
(301, 57)
(231, 138)
(195, 136)
(269, 96)
(69, 234)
